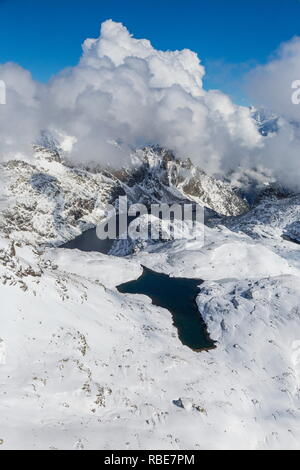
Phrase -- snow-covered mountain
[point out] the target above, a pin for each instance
(48, 202)
(266, 121)
(83, 366)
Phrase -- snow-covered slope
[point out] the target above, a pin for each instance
(47, 202)
(271, 218)
(87, 367)
(83, 366)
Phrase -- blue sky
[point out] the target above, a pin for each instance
(230, 36)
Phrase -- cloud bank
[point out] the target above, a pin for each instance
(125, 94)
(271, 86)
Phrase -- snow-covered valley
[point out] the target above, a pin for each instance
(83, 366)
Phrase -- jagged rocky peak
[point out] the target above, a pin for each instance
(159, 175)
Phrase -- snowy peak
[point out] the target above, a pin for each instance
(48, 202)
(159, 176)
(266, 121)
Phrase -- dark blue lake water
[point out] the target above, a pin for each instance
(178, 295)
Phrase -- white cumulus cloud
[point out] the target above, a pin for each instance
(125, 91)
(125, 94)
(270, 85)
